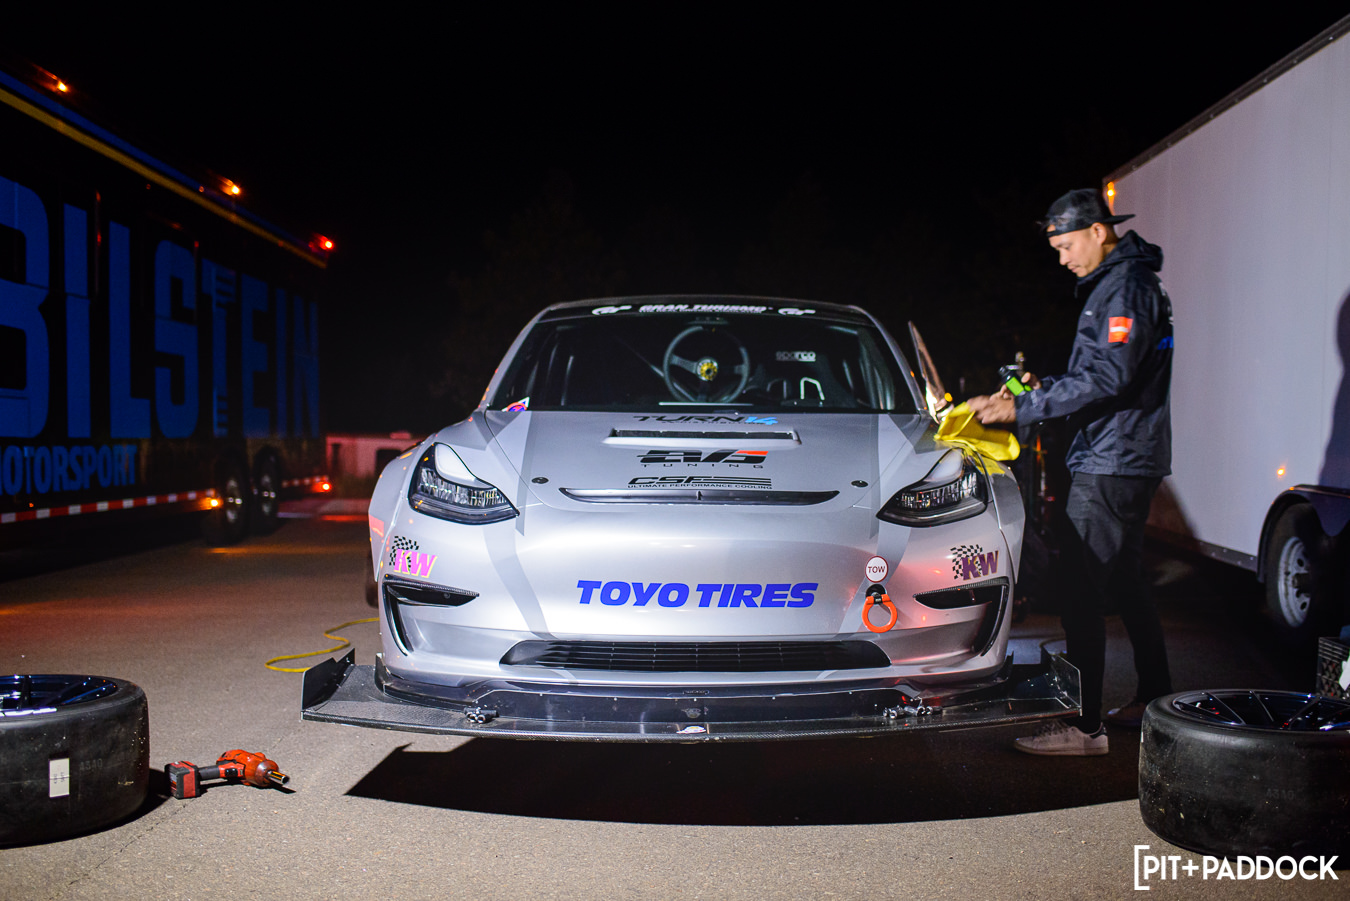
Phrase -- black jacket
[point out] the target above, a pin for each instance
(1120, 371)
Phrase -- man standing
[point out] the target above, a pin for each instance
(1115, 396)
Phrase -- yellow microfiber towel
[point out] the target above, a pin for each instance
(961, 427)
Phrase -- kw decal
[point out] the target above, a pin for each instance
(404, 557)
(970, 561)
(715, 594)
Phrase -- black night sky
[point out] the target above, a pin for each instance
(475, 166)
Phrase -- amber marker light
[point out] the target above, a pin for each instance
(1111, 196)
(1279, 473)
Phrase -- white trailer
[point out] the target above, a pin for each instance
(1250, 202)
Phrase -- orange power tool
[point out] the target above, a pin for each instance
(185, 777)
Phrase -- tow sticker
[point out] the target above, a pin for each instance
(877, 569)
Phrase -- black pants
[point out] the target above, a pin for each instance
(1102, 557)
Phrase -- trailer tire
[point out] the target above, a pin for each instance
(1219, 777)
(1300, 582)
(267, 509)
(228, 523)
(96, 730)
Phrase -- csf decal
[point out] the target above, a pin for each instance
(698, 482)
(405, 557)
(970, 561)
(737, 457)
(714, 594)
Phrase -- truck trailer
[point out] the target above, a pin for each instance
(158, 342)
(1250, 202)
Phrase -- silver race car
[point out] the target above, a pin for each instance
(694, 518)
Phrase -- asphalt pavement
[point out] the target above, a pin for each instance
(396, 815)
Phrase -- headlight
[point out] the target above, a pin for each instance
(442, 486)
(955, 489)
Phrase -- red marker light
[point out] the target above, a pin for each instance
(326, 487)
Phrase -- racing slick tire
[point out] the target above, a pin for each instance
(228, 522)
(1244, 772)
(1301, 577)
(74, 755)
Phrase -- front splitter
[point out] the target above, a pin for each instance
(339, 691)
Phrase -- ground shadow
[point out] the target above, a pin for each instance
(902, 779)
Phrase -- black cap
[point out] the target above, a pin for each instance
(1076, 210)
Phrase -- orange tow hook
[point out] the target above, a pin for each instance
(885, 601)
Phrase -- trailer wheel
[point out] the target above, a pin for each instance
(74, 755)
(266, 511)
(1300, 598)
(228, 523)
(1230, 772)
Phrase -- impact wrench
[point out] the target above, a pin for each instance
(185, 777)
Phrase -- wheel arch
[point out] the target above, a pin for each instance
(1331, 506)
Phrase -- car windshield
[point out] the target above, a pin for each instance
(755, 362)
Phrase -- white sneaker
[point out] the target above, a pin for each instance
(1059, 739)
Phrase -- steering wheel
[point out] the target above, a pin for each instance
(711, 380)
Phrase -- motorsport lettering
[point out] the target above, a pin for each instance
(715, 594)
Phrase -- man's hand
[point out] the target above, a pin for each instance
(993, 409)
(1028, 379)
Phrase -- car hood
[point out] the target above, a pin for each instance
(567, 459)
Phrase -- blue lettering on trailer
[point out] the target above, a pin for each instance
(44, 469)
(286, 360)
(77, 323)
(23, 411)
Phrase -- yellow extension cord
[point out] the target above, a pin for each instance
(346, 643)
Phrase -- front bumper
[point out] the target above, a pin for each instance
(339, 691)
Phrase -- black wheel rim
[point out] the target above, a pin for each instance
(1286, 711)
(27, 695)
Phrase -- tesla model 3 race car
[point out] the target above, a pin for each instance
(694, 518)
